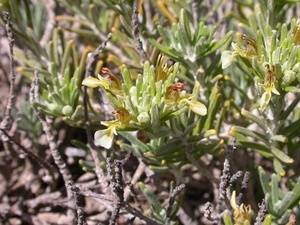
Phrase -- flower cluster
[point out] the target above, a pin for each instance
(271, 56)
(144, 101)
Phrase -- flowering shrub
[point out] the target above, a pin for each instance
(148, 105)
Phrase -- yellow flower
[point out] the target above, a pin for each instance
(106, 80)
(269, 87)
(93, 82)
(174, 91)
(175, 96)
(245, 46)
(104, 138)
(241, 214)
(122, 115)
(114, 81)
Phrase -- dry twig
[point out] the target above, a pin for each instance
(30, 154)
(244, 188)
(136, 30)
(7, 120)
(177, 190)
(93, 148)
(58, 159)
(261, 213)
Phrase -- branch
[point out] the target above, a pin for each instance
(110, 45)
(177, 190)
(103, 199)
(92, 59)
(93, 148)
(224, 187)
(58, 159)
(210, 214)
(7, 119)
(236, 176)
(31, 155)
(114, 169)
(137, 174)
(81, 217)
(198, 163)
(50, 7)
(244, 188)
(140, 215)
(136, 30)
(261, 213)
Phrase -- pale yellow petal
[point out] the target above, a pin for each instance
(233, 200)
(104, 138)
(274, 91)
(91, 82)
(198, 108)
(227, 59)
(264, 100)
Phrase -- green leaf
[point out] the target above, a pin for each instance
(127, 79)
(221, 43)
(67, 53)
(214, 100)
(79, 144)
(184, 24)
(227, 219)
(278, 167)
(260, 147)
(133, 140)
(55, 46)
(258, 120)
(274, 188)
(280, 155)
(291, 129)
(264, 180)
(290, 199)
(249, 133)
(165, 50)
